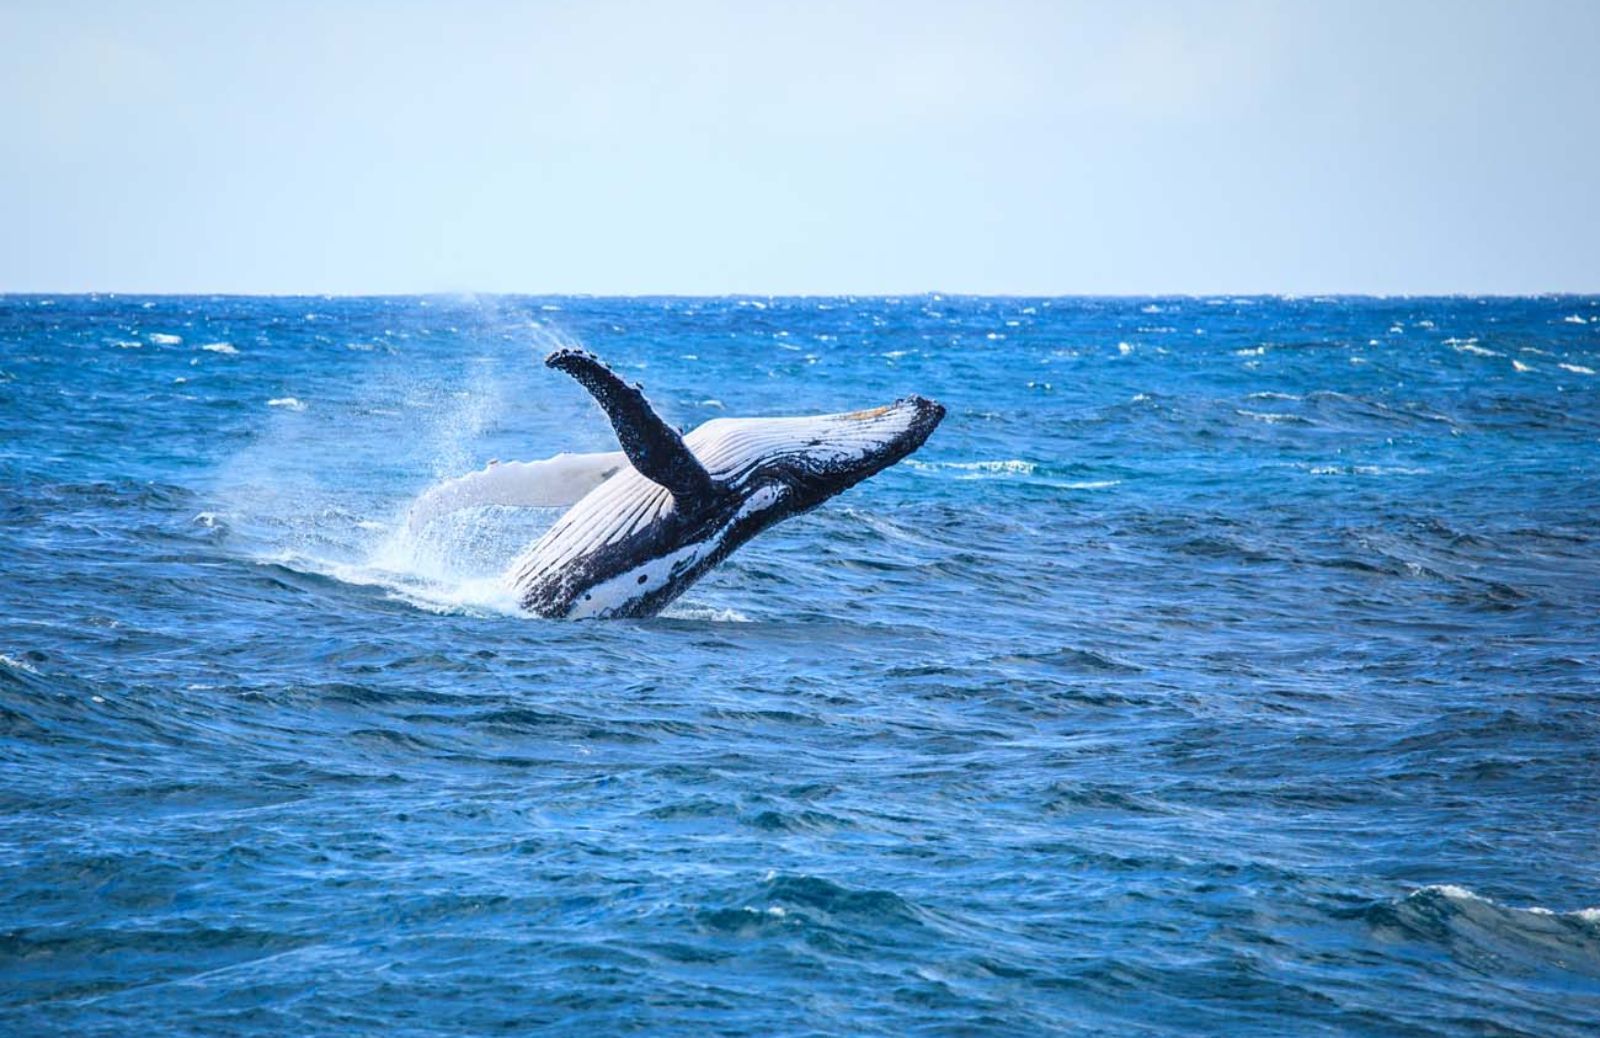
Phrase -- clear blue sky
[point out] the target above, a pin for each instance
(864, 147)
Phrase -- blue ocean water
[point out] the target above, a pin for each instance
(1220, 666)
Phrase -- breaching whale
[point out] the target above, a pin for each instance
(655, 518)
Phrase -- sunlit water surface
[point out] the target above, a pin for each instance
(1220, 666)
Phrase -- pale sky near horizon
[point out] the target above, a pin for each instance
(724, 147)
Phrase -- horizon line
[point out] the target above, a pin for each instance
(922, 293)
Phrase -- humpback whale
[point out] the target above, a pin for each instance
(654, 519)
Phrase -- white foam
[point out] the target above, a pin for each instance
(1271, 417)
(1576, 369)
(1007, 466)
(1470, 346)
(1517, 364)
(16, 664)
(1366, 470)
(288, 402)
(163, 339)
(1453, 892)
(1575, 319)
(711, 614)
(219, 347)
(1257, 351)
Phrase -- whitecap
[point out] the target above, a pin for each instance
(703, 613)
(16, 664)
(219, 347)
(1518, 365)
(1257, 351)
(288, 402)
(163, 339)
(1272, 417)
(1007, 466)
(1464, 896)
(1366, 470)
(1575, 319)
(1124, 348)
(1576, 369)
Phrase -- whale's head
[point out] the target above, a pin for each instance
(804, 461)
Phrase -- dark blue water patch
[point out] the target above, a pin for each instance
(1219, 666)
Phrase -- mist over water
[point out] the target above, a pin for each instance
(1218, 666)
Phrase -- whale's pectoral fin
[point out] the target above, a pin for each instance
(552, 483)
(654, 447)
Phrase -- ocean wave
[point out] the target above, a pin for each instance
(1482, 930)
(16, 664)
(481, 596)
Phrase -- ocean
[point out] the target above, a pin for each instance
(1219, 666)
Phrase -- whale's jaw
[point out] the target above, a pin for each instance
(816, 457)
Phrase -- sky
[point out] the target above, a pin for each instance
(1022, 148)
